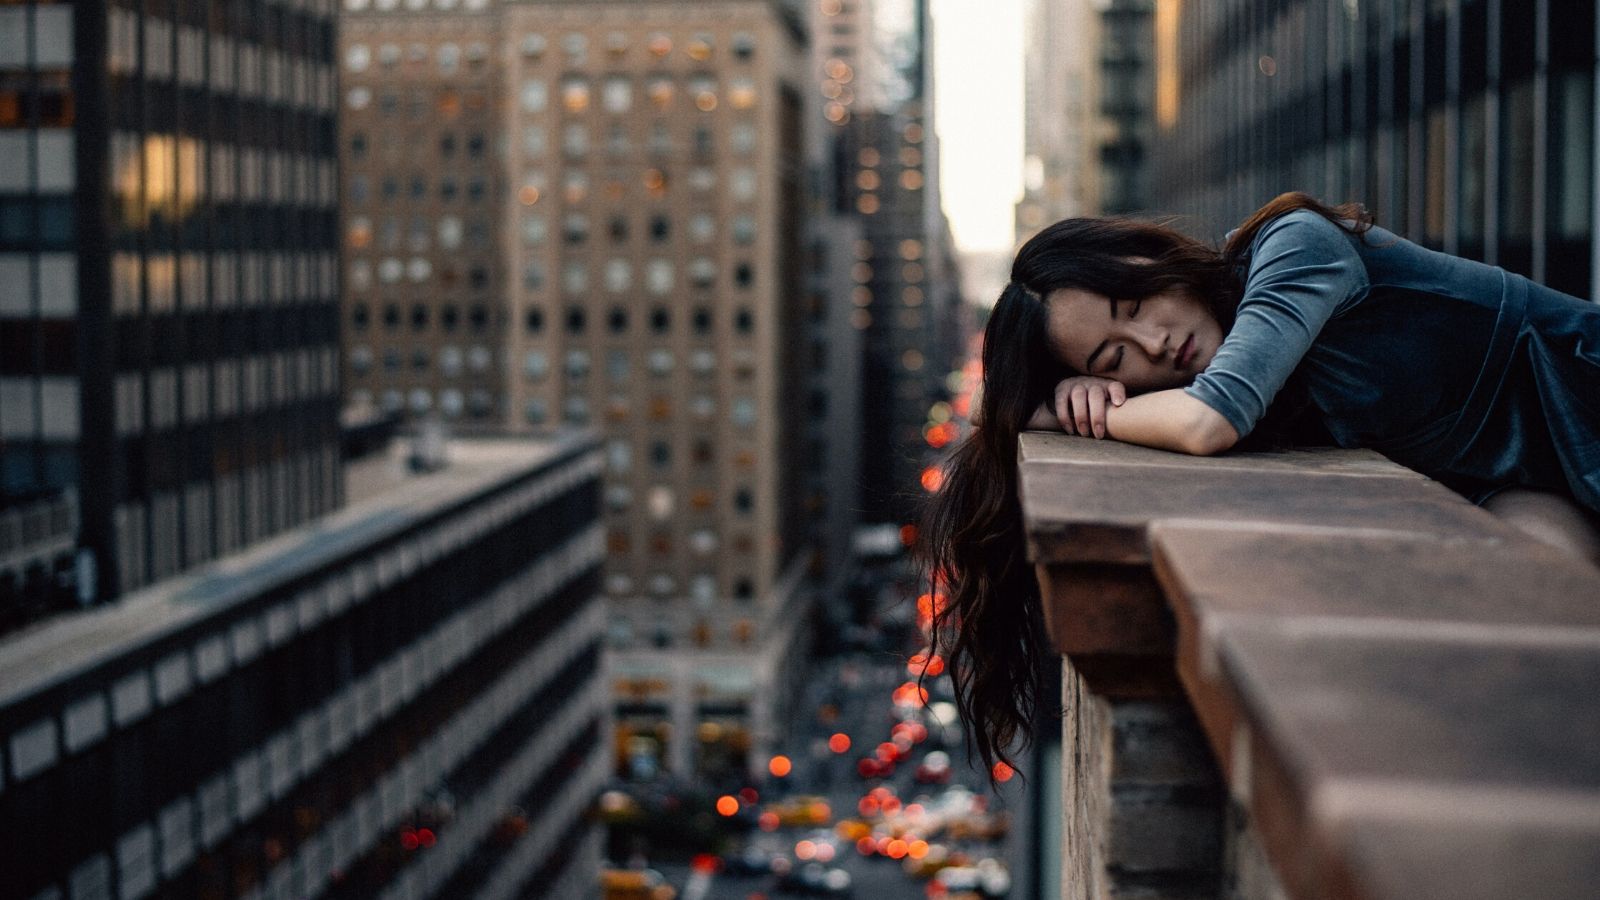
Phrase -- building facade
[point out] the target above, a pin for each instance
(1466, 125)
(604, 226)
(1060, 119)
(168, 309)
(404, 699)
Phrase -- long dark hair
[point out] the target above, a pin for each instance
(987, 619)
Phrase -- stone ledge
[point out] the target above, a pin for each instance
(1389, 677)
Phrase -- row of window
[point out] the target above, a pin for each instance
(659, 275)
(702, 587)
(617, 319)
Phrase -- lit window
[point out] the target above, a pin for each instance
(421, 400)
(703, 88)
(359, 97)
(479, 358)
(419, 269)
(535, 364)
(659, 90)
(618, 96)
(357, 57)
(703, 362)
(450, 361)
(577, 363)
(535, 95)
(702, 179)
(533, 45)
(536, 411)
(744, 412)
(619, 497)
(619, 275)
(662, 585)
(660, 361)
(449, 232)
(451, 402)
(703, 588)
(699, 47)
(702, 406)
(359, 232)
(742, 138)
(576, 228)
(658, 276)
(575, 45)
(661, 502)
(742, 93)
(744, 229)
(659, 44)
(575, 94)
(388, 54)
(393, 400)
(449, 58)
(361, 359)
(390, 270)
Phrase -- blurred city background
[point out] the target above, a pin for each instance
(457, 448)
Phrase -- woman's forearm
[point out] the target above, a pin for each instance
(1171, 420)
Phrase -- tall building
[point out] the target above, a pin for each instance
(1061, 119)
(906, 284)
(1466, 125)
(592, 213)
(168, 310)
(403, 699)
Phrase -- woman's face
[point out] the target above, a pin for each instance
(1158, 342)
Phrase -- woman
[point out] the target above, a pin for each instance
(1312, 325)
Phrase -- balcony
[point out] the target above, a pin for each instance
(1310, 674)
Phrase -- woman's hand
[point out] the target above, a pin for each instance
(1081, 403)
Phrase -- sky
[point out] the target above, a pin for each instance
(978, 114)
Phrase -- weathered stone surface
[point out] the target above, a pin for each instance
(1485, 855)
(1101, 513)
(1352, 730)
(1095, 608)
(1045, 446)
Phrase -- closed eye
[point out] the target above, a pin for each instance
(1134, 309)
(1116, 361)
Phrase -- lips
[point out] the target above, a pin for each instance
(1185, 354)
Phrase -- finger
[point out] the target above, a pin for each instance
(1119, 394)
(1063, 410)
(1080, 408)
(1097, 412)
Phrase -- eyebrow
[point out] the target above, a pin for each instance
(1088, 365)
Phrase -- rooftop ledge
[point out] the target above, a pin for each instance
(1399, 693)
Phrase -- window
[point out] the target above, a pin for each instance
(742, 184)
(660, 91)
(703, 88)
(359, 317)
(576, 228)
(360, 360)
(619, 229)
(575, 94)
(744, 412)
(533, 141)
(702, 320)
(702, 271)
(575, 277)
(658, 276)
(742, 93)
(533, 45)
(450, 361)
(478, 318)
(617, 321)
(660, 361)
(419, 317)
(702, 228)
(449, 318)
(449, 232)
(744, 230)
(660, 320)
(742, 138)
(660, 454)
(619, 275)
(535, 95)
(576, 186)
(744, 321)
(703, 362)
(391, 316)
(536, 411)
(575, 140)
(619, 457)
(744, 46)
(576, 320)
(533, 321)
(744, 275)
(618, 362)
(617, 94)
(660, 229)
(577, 363)
(577, 411)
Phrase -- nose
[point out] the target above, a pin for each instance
(1152, 340)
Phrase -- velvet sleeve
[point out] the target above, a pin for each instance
(1303, 269)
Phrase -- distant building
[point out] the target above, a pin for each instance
(168, 308)
(1061, 117)
(403, 699)
(1467, 126)
(592, 213)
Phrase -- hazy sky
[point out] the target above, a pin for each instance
(978, 113)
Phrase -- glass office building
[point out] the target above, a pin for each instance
(1467, 125)
(168, 306)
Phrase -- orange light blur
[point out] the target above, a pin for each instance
(891, 805)
(839, 743)
(1003, 772)
(805, 850)
(909, 694)
(749, 795)
(705, 863)
(917, 849)
(932, 479)
(897, 849)
(768, 821)
(867, 846)
(908, 535)
(780, 766)
(727, 804)
(885, 751)
(915, 809)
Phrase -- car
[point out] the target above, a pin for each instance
(635, 884)
(817, 879)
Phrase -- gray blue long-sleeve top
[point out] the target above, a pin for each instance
(1470, 374)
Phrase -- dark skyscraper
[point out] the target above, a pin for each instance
(168, 304)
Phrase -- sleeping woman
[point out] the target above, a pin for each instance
(1312, 325)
